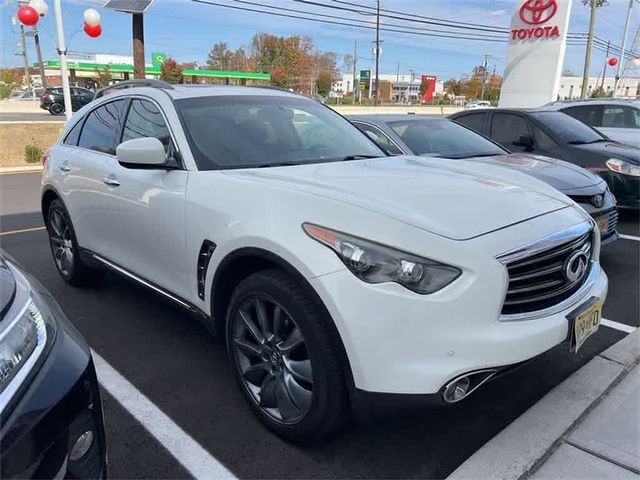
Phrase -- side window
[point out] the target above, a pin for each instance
(102, 126)
(475, 121)
(589, 114)
(382, 140)
(543, 141)
(145, 120)
(507, 128)
(73, 135)
(620, 117)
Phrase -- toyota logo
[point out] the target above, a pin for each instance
(535, 12)
(598, 201)
(576, 266)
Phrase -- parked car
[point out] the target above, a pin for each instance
(25, 95)
(619, 120)
(52, 99)
(51, 423)
(330, 269)
(432, 136)
(477, 104)
(557, 135)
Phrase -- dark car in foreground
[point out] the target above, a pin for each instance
(52, 99)
(51, 423)
(431, 136)
(555, 134)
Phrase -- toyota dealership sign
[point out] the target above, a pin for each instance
(537, 44)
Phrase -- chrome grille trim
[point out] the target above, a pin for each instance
(536, 276)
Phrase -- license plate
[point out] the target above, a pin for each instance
(586, 323)
(603, 223)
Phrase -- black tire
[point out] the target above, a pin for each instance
(328, 407)
(56, 109)
(65, 250)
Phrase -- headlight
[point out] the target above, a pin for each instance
(620, 166)
(375, 263)
(20, 344)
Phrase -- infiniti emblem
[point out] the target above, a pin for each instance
(575, 266)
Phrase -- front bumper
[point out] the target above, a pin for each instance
(59, 402)
(398, 342)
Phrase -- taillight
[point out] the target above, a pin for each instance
(44, 95)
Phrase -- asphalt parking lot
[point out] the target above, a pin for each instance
(168, 357)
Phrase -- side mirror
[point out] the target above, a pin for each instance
(525, 141)
(141, 152)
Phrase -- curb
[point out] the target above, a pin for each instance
(25, 169)
(519, 449)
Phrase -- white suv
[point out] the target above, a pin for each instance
(328, 268)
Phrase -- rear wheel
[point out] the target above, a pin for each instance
(285, 357)
(56, 109)
(65, 251)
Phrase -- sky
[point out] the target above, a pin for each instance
(186, 30)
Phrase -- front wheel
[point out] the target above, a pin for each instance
(56, 109)
(286, 357)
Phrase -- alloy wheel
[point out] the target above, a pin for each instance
(272, 359)
(56, 109)
(61, 242)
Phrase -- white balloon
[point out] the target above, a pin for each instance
(635, 63)
(40, 6)
(91, 16)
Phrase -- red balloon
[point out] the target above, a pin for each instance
(28, 15)
(94, 31)
(613, 61)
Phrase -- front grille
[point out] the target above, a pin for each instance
(612, 216)
(540, 281)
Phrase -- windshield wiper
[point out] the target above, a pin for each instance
(359, 157)
(583, 142)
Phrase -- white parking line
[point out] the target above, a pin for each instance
(189, 453)
(629, 237)
(617, 326)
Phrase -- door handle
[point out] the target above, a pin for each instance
(63, 167)
(112, 182)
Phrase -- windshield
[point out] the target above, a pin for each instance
(250, 131)
(567, 129)
(444, 138)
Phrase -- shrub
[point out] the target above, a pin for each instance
(5, 91)
(32, 153)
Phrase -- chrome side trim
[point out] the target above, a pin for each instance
(547, 243)
(147, 284)
(565, 304)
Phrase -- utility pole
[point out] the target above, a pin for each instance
(624, 46)
(25, 58)
(138, 45)
(606, 63)
(36, 38)
(356, 80)
(377, 100)
(485, 73)
(412, 71)
(62, 51)
(587, 58)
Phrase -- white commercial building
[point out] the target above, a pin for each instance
(345, 85)
(570, 87)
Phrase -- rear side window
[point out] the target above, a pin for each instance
(620, 117)
(589, 114)
(74, 135)
(544, 141)
(475, 121)
(102, 126)
(145, 120)
(507, 128)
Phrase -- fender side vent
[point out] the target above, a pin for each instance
(206, 250)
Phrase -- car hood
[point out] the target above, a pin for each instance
(614, 150)
(457, 200)
(564, 176)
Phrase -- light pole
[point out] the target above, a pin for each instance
(62, 51)
(377, 101)
(411, 84)
(624, 46)
(587, 58)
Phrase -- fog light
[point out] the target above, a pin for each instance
(82, 446)
(457, 390)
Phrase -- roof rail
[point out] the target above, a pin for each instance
(133, 84)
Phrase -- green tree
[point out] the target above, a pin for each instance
(600, 92)
(170, 71)
(323, 83)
